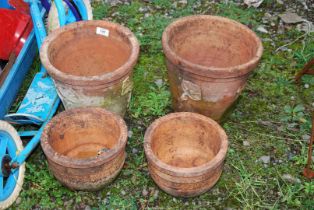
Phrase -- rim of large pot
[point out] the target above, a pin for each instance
(215, 72)
(100, 159)
(96, 79)
(185, 172)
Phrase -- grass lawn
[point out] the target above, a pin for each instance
(271, 120)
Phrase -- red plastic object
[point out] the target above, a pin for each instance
(15, 26)
(20, 5)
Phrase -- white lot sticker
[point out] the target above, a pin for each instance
(102, 31)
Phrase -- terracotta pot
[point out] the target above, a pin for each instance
(91, 63)
(185, 153)
(209, 59)
(85, 147)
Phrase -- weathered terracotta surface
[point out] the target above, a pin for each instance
(185, 153)
(85, 147)
(209, 59)
(91, 63)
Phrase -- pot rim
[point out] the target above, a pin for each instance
(66, 161)
(96, 79)
(185, 172)
(215, 72)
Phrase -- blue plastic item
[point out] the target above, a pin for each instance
(73, 10)
(47, 5)
(5, 4)
(13, 81)
(36, 105)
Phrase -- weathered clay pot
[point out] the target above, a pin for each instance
(91, 63)
(209, 59)
(185, 153)
(85, 147)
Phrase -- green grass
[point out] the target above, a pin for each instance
(272, 114)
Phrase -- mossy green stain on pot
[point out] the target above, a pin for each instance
(117, 98)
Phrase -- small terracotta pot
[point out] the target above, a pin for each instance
(85, 147)
(209, 59)
(185, 153)
(91, 63)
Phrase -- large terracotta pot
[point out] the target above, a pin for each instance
(91, 63)
(209, 59)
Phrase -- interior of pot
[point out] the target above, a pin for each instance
(212, 42)
(84, 135)
(87, 51)
(185, 142)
